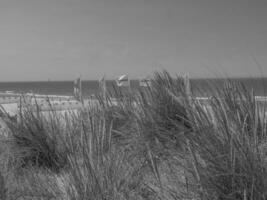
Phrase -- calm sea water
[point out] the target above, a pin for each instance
(204, 86)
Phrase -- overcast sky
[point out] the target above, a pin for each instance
(60, 39)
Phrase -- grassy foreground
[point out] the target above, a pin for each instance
(157, 143)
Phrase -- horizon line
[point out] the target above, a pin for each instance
(133, 79)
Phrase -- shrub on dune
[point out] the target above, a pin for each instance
(98, 170)
(36, 140)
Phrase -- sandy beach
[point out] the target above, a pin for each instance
(11, 102)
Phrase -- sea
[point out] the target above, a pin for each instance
(203, 87)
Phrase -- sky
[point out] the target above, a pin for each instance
(63, 39)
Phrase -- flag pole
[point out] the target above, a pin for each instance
(103, 88)
(188, 87)
(80, 90)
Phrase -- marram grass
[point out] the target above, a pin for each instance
(156, 143)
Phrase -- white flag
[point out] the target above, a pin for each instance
(123, 81)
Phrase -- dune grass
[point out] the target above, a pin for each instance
(156, 143)
(230, 140)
